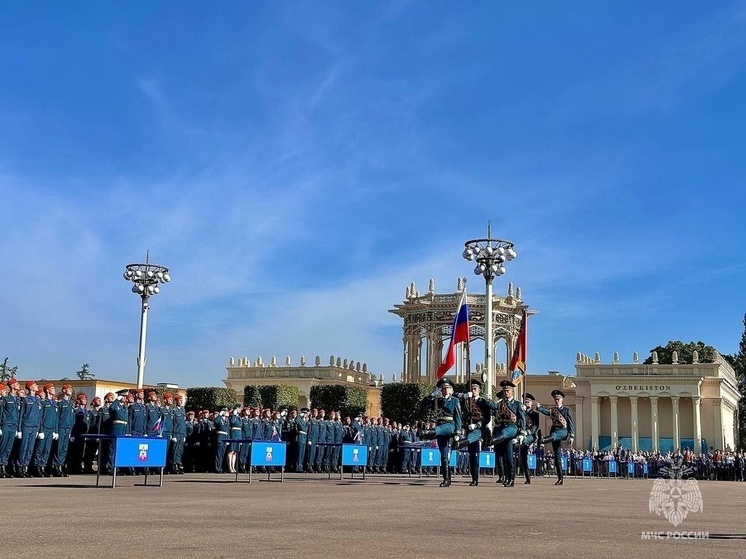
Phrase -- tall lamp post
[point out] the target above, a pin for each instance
(490, 255)
(146, 279)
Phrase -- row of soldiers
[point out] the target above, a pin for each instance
(43, 433)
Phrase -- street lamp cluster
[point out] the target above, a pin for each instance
(490, 255)
(146, 279)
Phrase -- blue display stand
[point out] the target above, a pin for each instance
(430, 458)
(354, 455)
(532, 462)
(564, 463)
(612, 467)
(133, 452)
(587, 466)
(487, 460)
(268, 455)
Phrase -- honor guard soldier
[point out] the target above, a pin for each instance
(562, 429)
(511, 421)
(447, 425)
(532, 430)
(477, 414)
(10, 416)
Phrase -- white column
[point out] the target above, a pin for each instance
(635, 424)
(614, 422)
(696, 401)
(717, 408)
(595, 420)
(580, 443)
(676, 425)
(654, 421)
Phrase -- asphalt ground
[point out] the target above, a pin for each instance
(211, 515)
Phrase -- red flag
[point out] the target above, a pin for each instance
(460, 334)
(518, 362)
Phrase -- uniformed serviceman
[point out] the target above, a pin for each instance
(448, 424)
(222, 433)
(118, 423)
(10, 416)
(153, 423)
(246, 433)
(167, 418)
(477, 414)
(532, 429)
(138, 415)
(562, 429)
(96, 426)
(234, 422)
(30, 426)
(65, 421)
(301, 430)
(313, 439)
(510, 422)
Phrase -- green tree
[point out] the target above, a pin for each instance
(6, 371)
(349, 400)
(210, 398)
(252, 398)
(403, 401)
(738, 362)
(707, 354)
(276, 396)
(85, 372)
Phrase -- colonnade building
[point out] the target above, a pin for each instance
(655, 407)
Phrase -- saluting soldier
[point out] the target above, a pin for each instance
(10, 417)
(532, 429)
(562, 429)
(448, 424)
(511, 421)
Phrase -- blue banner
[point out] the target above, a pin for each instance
(532, 461)
(431, 457)
(486, 459)
(268, 453)
(645, 468)
(140, 452)
(354, 455)
(631, 468)
(564, 463)
(587, 465)
(612, 467)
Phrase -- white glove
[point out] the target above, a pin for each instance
(309, 443)
(519, 440)
(72, 439)
(473, 426)
(196, 444)
(55, 436)
(468, 395)
(18, 435)
(40, 436)
(1, 432)
(571, 440)
(457, 438)
(173, 439)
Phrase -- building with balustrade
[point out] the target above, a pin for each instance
(656, 406)
(242, 372)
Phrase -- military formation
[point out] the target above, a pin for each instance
(45, 433)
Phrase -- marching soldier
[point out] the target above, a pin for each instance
(532, 429)
(562, 429)
(478, 412)
(511, 421)
(448, 424)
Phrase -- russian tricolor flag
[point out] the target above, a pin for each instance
(460, 334)
(518, 362)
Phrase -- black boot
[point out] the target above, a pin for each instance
(474, 482)
(428, 434)
(25, 472)
(57, 471)
(560, 481)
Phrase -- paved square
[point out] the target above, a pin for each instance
(208, 515)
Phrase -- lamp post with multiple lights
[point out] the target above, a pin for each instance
(146, 279)
(490, 255)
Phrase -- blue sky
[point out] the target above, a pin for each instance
(297, 164)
